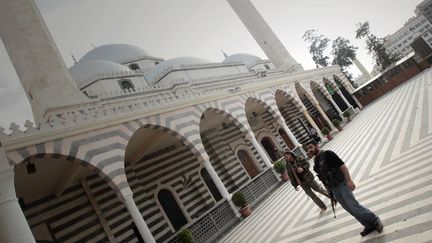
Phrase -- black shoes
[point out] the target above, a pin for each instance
(378, 227)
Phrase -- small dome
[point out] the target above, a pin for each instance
(172, 63)
(247, 59)
(87, 69)
(114, 53)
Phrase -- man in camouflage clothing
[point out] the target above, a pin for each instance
(300, 175)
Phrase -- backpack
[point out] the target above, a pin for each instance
(331, 177)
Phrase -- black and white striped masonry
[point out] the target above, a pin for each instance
(388, 149)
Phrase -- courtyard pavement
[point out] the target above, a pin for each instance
(388, 150)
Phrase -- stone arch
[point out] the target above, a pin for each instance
(220, 133)
(244, 129)
(247, 162)
(293, 114)
(290, 98)
(329, 85)
(323, 99)
(183, 139)
(270, 147)
(71, 185)
(271, 111)
(264, 134)
(262, 118)
(72, 160)
(332, 89)
(311, 106)
(233, 106)
(339, 82)
(250, 152)
(344, 88)
(158, 156)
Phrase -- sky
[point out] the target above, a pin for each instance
(198, 28)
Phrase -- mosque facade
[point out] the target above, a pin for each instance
(131, 147)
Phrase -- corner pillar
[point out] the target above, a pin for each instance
(13, 224)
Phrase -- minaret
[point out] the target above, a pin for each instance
(264, 35)
(359, 65)
(38, 64)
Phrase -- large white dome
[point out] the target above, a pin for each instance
(84, 70)
(173, 63)
(114, 53)
(243, 58)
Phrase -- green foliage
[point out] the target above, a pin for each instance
(325, 131)
(343, 52)
(375, 46)
(185, 236)
(279, 166)
(317, 46)
(239, 199)
(346, 114)
(336, 122)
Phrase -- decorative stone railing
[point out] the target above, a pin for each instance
(259, 187)
(212, 225)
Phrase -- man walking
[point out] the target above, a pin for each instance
(334, 174)
(300, 175)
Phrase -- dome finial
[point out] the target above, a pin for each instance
(73, 57)
(225, 55)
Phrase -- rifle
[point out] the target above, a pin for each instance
(333, 203)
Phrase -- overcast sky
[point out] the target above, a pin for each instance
(200, 28)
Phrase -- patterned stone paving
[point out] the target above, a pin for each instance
(388, 149)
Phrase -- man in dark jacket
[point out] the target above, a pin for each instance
(334, 174)
(300, 175)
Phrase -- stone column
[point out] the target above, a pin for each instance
(13, 224)
(323, 114)
(314, 125)
(288, 131)
(138, 219)
(360, 106)
(218, 182)
(220, 186)
(344, 99)
(336, 107)
(261, 152)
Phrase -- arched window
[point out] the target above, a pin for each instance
(211, 185)
(286, 139)
(134, 67)
(126, 85)
(172, 209)
(270, 148)
(248, 163)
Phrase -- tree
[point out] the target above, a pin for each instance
(317, 45)
(343, 54)
(375, 46)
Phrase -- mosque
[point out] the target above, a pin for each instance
(131, 147)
